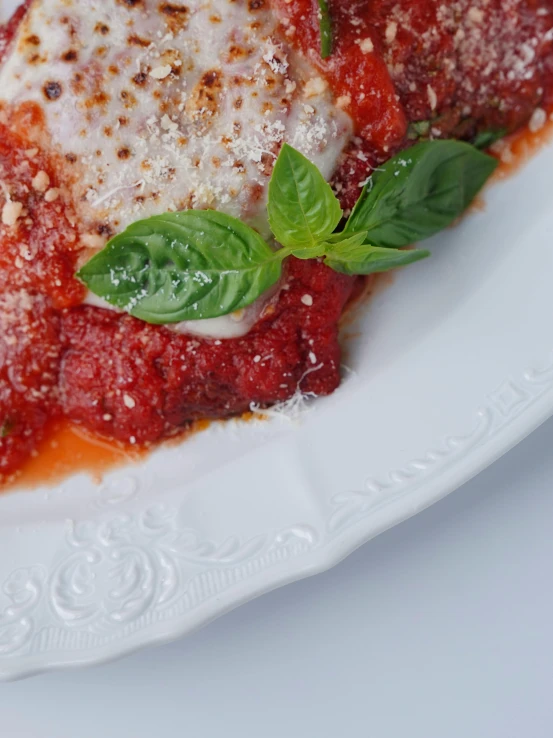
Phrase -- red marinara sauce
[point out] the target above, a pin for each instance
(452, 68)
(117, 376)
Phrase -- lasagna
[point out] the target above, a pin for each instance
(113, 111)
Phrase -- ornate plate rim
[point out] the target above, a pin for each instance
(227, 574)
(358, 517)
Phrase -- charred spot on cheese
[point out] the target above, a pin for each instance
(135, 40)
(52, 90)
(131, 3)
(66, 21)
(98, 99)
(77, 83)
(71, 55)
(101, 28)
(104, 230)
(202, 105)
(254, 5)
(128, 99)
(176, 16)
(140, 78)
(29, 47)
(238, 53)
(172, 58)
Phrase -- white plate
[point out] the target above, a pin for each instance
(452, 367)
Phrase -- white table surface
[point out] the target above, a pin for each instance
(440, 628)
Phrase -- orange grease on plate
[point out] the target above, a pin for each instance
(68, 449)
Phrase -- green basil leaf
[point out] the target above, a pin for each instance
(360, 236)
(302, 207)
(183, 266)
(6, 427)
(420, 192)
(353, 256)
(418, 129)
(309, 252)
(485, 139)
(325, 26)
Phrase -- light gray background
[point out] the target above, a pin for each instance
(440, 628)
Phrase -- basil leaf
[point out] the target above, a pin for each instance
(485, 139)
(325, 26)
(361, 236)
(354, 256)
(309, 252)
(183, 266)
(6, 427)
(420, 192)
(302, 207)
(418, 129)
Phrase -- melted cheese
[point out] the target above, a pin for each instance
(158, 106)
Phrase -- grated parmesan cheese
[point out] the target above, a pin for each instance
(315, 87)
(538, 120)
(52, 194)
(41, 181)
(391, 32)
(11, 212)
(432, 97)
(366, 45)
(161, 72)
(207, 138)
(183, 110)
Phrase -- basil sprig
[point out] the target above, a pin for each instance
(325, 26)
(202, 264)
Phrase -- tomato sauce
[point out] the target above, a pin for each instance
(72, 375)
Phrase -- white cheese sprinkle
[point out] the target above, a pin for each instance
(432, 97)
(314, 86)
(538, 120)
(161, 72)
(41, 181)
(391, 32)
(366, 45)
(476, 15)
(11, 212)
(343, 101)
(52, 194)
